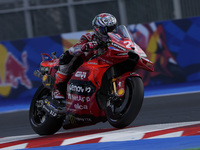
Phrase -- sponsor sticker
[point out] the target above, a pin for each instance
(81, 107)
(118, 46)
(78, 98)
(79, 88)
(80, 74)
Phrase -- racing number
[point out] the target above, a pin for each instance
(128, 44)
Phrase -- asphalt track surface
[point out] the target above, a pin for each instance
(155, 110)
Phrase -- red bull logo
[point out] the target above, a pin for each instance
(12, 71)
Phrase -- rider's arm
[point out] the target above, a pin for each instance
(83, 44)
(76, 49)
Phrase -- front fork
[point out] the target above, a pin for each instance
(118, 83)
(114, 86)
(114, 91)
(114, 100)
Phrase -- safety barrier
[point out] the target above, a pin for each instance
(173, 46)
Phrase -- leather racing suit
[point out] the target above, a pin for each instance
(71, 60)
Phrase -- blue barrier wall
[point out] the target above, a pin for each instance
(18, 60)
(173, 46)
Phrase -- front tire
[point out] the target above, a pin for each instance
(124, 114)
(40, 121)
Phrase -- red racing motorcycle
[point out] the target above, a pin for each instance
(105, 88)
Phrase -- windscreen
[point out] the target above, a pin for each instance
(122, 31)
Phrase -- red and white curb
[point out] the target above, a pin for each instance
(102, 135)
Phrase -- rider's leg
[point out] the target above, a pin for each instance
(68, 65)
(59, 86)
(62, 76)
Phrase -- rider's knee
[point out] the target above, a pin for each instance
(65, 58)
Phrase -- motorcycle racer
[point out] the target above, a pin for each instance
(106, 87)
(82, 51)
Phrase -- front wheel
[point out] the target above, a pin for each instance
(123, 113)
(40, 121)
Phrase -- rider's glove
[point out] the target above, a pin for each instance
(89, 46)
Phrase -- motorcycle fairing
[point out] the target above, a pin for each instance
(145, 64)
(86, 81)
(125, 43)
(47, 61)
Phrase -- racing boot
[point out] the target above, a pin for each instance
(57, 105)
(58, 100)
(59, 87)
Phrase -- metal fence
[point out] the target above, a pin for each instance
(31, 18)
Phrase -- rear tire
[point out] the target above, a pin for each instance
(40, 121)
(125, 114)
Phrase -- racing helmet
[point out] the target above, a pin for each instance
(104, 23)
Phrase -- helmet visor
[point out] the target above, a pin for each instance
(111, 28)
(105, 30)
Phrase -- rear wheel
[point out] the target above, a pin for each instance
(122, 113)
(40, 121)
